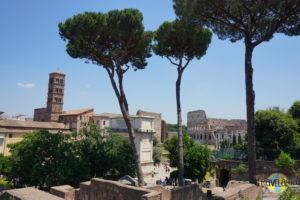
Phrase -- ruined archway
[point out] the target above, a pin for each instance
(224, 177)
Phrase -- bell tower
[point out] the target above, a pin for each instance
(55, 96)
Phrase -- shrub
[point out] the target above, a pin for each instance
(4, 182)
(241, 169)
(227, 157)
(284, 161)
(157, 153)
(155, 141)
(289, 194)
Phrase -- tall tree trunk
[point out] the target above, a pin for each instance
(180, 137)
(125, 112)
(250, 99)
(138, 167)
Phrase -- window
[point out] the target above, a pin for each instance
(204, 137)
(10, 135)
(103, 122)
(200, 137)
(209, 137)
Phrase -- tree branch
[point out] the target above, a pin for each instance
(172, 61)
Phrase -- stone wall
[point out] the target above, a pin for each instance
(190, 192)
(100, 189)
(264, 170)
(63, 191)
(165, 193)
(238, 191)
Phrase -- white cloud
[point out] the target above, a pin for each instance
(25, 85)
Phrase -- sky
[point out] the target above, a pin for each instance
(31, 48)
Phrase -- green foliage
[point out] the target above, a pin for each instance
(5, 164)
(197, 161)
(104, 151)
(240, 147)
(43, 159)
(197, 157)
(174, 128)
(285, 161)
(178, 39)
(241, 169)
(275, 132)
(227, 157)
(157, 153)
(225, 144)
(155, 141)
(295, 112)
(234, 141)
(171, 145)
(4, 182)
(255, 21)
(111, 40)
(240, 140)
(289, 194)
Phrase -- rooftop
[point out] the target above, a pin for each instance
(112, 115)
(61, 73)
(32, 124)
(109, 115)
(77, 112)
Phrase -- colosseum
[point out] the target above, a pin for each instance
(212, 131)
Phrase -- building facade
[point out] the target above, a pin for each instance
(74, 118)
(212, 131)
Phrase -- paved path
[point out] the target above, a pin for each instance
(159, 174)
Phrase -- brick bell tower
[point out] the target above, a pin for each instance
(55, 96)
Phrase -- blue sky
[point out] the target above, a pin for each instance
(30, 48)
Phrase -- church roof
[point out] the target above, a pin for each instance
(77, 112)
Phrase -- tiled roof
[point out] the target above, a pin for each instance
(112, 115)
(32, 124)
(77, 112)
(109, 115)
